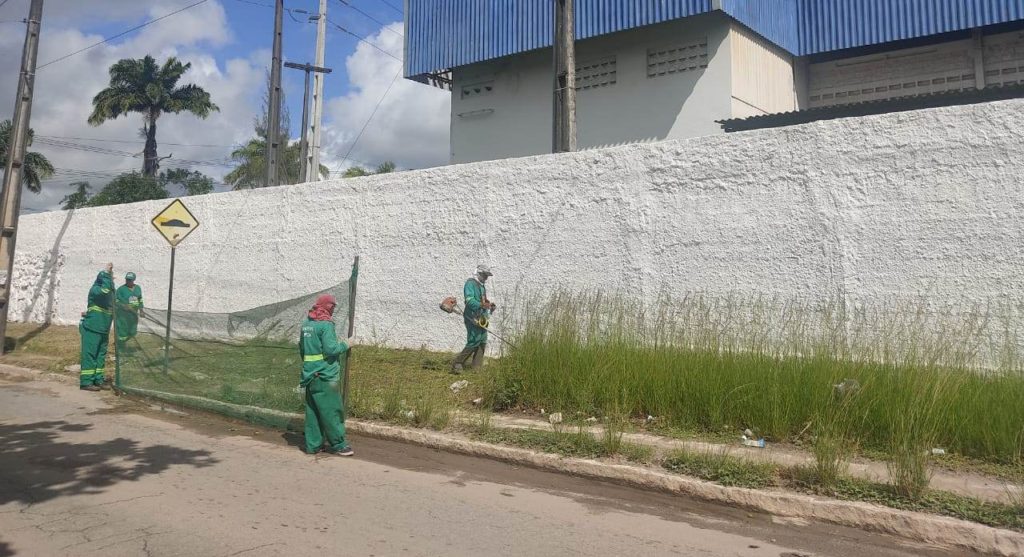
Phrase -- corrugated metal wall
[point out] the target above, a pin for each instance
(775, 20)
(827, 25)
(443, 34)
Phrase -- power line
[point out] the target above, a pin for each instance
(2, 2)
(390, 5)
(233, 146)
(363, 40)
(121, 34)
(372, 114)
(370, 17)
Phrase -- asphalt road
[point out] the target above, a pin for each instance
(87, 474)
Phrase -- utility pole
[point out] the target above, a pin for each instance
(10, 204)
(565, 77)
(274, 112)
(304, 143)
(318, 92)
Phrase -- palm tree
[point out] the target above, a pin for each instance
(143, 86)
(251, 171)
(80, 197)
(36, 168)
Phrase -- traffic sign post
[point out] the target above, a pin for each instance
(174, 223)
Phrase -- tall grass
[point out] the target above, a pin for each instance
(928, 376)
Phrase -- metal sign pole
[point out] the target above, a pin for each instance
(170, 298)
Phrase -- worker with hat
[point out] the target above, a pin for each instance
(129, 309)
(321, 351)
(477, 317)
(94, 329)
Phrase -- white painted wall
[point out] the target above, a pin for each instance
(515, 119)
(927, 202)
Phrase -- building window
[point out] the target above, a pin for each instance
(596, 73)
(477, 89)
(677, 59)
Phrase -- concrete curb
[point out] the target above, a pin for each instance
(933, 530)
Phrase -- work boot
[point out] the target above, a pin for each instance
(104, 386)
(89, 388)
(456, 369)
(344, 451)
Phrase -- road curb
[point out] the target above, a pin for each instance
(919, 527)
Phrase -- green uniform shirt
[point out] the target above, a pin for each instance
(100, 312)
(475, 293)
(129, 299)
(320, 349)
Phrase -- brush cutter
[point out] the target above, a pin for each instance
(451, 305)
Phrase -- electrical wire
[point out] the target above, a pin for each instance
(370, 17)
(121, 34)
(368, 120)
(390, 5)
(2, 2)
(362, 39)
(234, 146)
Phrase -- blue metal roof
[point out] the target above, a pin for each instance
(444, 34)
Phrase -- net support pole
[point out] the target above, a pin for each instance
(351, 330)
(170, 298)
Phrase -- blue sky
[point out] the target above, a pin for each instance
(229, 44)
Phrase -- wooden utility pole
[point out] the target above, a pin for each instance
(565, 77)
(10, 204)
(274, 110)
(304, 168)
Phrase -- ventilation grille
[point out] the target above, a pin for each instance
(599, 73)
(477, 89)
(678, 59)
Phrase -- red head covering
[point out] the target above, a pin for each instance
(323, 309)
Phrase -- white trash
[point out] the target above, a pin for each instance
(755, 443)
(478, 401)
(938, 451)
(555, 418)
(591, 420)
(73, 368)
(458, 386)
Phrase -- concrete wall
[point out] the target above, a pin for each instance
(928, 202)
(514, 118)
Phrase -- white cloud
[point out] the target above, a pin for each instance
(411, 127)
(64, 91)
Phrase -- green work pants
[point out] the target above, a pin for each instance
(127, 325)
(476, 344)
(325, 418)
(93, 356)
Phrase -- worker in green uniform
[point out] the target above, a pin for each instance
(129, 309)
(94, 329)
(321, 350)
(477, 317)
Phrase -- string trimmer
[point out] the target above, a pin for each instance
(451, 305)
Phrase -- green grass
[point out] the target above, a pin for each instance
(721, 468)
(705, 365)
(576, 443)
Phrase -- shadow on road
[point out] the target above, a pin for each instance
(5, 550)
(39, 465)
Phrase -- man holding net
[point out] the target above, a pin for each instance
(94, 329)
(321, 350)
(129, 309)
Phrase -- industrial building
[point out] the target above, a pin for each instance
(649, 70)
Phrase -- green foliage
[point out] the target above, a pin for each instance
(721, 468)
(129, 188)
(142, 86)
(192, 182)
(79, 198)
(37, 167)
(702, 364)
(385, 167)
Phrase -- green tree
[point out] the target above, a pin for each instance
(80, 198)
(192, 181)
(355, 172)
(129, 188)
(385, 167)
(142, 86)
(251, 169)
(36, 169)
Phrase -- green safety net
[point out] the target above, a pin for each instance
(247, 358)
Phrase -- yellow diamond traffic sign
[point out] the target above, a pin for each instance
(175, 222)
